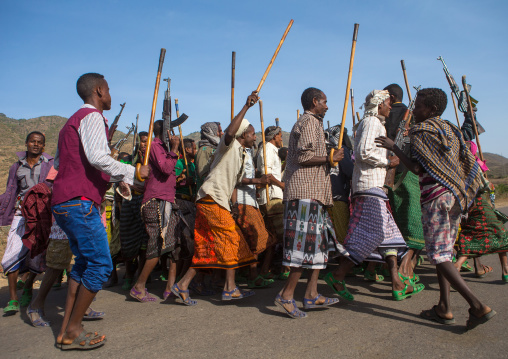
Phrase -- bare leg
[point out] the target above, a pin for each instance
(340, 273)
(12, 279)
(72, 290)
(84, 298)
(230, 280)
(503, 258)
(397, 284)
(406, 266)
(49, 278)
(265, 267)
(311, 292)
(147, 269)
(449, 272)
(288, 290)
(444, 308)
(460, 261)
(171, 275)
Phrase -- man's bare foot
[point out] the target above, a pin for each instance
(68, 338)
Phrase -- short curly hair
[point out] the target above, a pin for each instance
(434, 97)
(309, 95)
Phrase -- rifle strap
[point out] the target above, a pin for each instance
(399, 182)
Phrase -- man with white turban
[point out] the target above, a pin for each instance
(219, 243)
(372, 232)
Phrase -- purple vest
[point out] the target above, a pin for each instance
(76, 176)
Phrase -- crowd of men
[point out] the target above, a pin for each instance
(224, 214)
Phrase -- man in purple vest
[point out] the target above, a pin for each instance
(84, 170)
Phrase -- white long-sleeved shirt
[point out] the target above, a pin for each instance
(92, 134)
(370, 160)
(274, 167)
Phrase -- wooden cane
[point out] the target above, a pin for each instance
(152, 116)
(233, 61)
(455, 108)
(273, 58)
(264, 148)
(344, 111)
(297, 114)
(358, 117)
(408, 89)
(353, 106)
(471, 113)
(183, 146)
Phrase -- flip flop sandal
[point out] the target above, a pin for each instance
(94, 315)
(147, 298)
(431, 314)
(243, 294)
(295, 313)
(82, 342)
(175, 289)
(475, 321)
(465, 267)
(486, 269)
(401, 294)
(12, 307)
(311, 303)
(26, 298)
(331, 281)
(373, 276)
(201, 289)
(39, 322)
(264, 282)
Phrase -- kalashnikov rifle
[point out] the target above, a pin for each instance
(135, 141)
(460, 95)
(183, 146)
(399, 138)
(166, 112)
(115, 150)
(114, 125)
(473, 117)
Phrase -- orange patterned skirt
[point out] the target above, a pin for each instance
(218, 242)
(253, 229)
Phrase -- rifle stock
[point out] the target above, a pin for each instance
(114, 125)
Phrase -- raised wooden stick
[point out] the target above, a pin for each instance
(152, 116)
(297, 114)
(233, 60)
(408, 89)
(264, 148)
(353, 106)
(350, 73)
(471, 113)
(274, 56)
(358, 117)
(183, 146)
(455, 108)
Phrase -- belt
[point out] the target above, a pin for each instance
(183, 196)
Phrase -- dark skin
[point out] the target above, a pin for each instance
(277, 142)
(446, 273)
(79, 298)
(230, 133)
(34, 148)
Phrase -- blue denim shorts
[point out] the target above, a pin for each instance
(81, 221)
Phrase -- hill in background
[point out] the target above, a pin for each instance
(15, 131)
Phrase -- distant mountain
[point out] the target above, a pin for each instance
(15, 131)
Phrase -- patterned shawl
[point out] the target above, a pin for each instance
(209, 135)
(439, 147)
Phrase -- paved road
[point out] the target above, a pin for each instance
(373, 326)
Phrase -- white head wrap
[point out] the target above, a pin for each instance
(243, 126)
(373, 100)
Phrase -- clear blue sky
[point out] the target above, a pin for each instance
(46, 46)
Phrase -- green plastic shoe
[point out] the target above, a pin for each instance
(401, 294)
(373, 276)
(505, 278)
(12, 307)
(331, 281)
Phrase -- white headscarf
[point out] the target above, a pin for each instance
(373, 100)
(243, 126)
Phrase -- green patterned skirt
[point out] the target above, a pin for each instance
(482, 232)
(407, 211)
